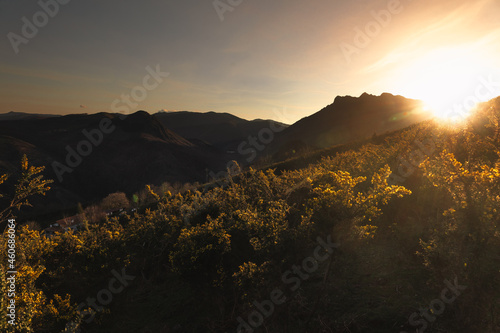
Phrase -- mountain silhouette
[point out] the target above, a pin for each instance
(346, 119)
(24, 116)
(222, 130)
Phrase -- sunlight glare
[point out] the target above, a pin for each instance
(447, 81)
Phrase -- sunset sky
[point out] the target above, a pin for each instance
(285, 55)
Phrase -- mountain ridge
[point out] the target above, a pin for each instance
(183, 146)
(346, 119)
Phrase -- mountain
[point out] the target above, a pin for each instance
(346, 119)
(24, 116)
(90, 156)
(222, 130)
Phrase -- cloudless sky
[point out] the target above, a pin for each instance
(272, 59)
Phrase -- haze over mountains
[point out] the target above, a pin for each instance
(90, 156)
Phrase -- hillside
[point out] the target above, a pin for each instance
(346, 119)
(222, 130)
(181, 147)
(396, 234)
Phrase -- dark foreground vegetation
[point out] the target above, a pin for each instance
(397, 235)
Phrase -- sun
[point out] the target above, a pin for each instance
(448, 81)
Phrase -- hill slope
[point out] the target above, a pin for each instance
(347, 119)
(222, 130)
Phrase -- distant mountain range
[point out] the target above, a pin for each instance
(222, 130)
(90, 156)
(24, 116)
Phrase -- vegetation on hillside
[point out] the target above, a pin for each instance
(414, 219)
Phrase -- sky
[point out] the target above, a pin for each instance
(279, 59)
